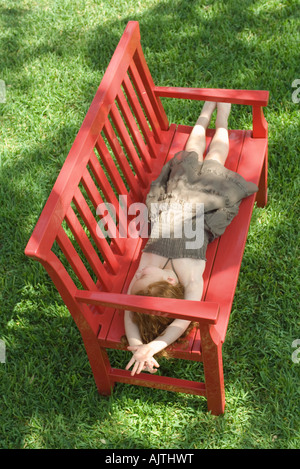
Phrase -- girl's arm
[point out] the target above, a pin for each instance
(143, 353)
(170, 335)
(192, 291)
(132, 331)
(190, 273)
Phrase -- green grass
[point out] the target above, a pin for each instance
(52, 57)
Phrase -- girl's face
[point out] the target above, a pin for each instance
(150, 274)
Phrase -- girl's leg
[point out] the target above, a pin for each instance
(219, 146)
(197, 141)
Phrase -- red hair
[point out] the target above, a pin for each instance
(152, 326)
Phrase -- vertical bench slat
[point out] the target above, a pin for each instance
(134, 130)
(128, 145)
(91, 224)
(93, 193)
(86, 247)
(110, 166)
(156, 105)
(101, 179)
(91, 189)
(74, 260)
(139, 114)
(99, 203)
(121, 159)
(145, 101)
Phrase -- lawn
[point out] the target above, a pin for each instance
(53, 55)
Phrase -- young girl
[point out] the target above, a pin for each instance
(169, 266)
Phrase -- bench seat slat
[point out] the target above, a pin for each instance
(231, 246)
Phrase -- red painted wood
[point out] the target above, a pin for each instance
(75, 261)
(128, 145)
(122, 160)
(90, 222)
(102, 180)
(110, 167)
(213, 369)
(260, 125)
(134, 131)
(144, 72)
(247, 97)
(260, 130)
(262, 195)
(145, 101)
(69, 177)
(87, 322)
(87, 248)
(139, 114)
(231, 246)
(123, 143)
(159, 382)
(170, 307)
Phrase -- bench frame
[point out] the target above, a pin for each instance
(126, 131)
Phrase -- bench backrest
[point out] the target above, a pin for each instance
(113, 154)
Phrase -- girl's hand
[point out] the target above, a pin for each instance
(142, 359)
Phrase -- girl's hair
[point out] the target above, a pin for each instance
(152, 326)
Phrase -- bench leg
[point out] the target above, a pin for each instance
(100, 365)
(261, 196)
(213, 370)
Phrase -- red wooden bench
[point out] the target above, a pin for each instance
(123, 143)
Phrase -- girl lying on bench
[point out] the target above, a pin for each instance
(172, 266)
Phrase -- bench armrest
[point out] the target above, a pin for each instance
(198, 311)
(247, 97)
